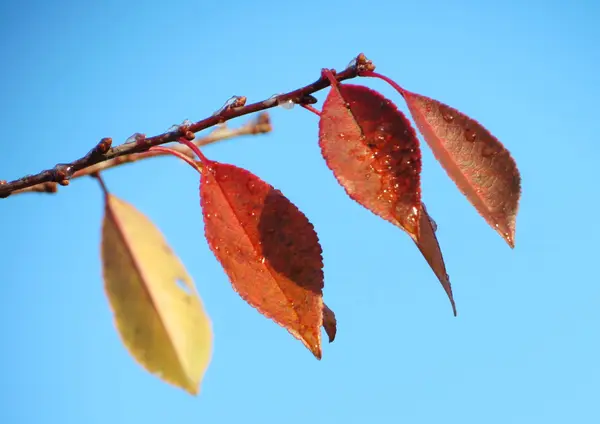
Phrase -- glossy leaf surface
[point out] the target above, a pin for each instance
(374, 154)
(475, 160)
(157, 310)
(267, 247)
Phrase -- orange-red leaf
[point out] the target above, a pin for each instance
(476, 161)
(267, 247)
(374, 154)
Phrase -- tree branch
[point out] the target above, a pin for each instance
(260, 125)
(234, 108)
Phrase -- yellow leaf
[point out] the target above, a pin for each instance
(157, 310)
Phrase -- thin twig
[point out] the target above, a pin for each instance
(103, 152)
(260, 125)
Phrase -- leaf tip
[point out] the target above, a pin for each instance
(329, 323)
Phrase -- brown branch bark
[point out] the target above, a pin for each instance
(103, 152)
(260, 125)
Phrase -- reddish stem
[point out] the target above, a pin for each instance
(312, 109)
(383, 77)
(329, 75)
(180, 155)
(205, 161)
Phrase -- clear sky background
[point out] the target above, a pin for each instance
(524, 348)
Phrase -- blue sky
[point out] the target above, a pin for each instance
(524, 348)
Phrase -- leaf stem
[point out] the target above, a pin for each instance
(205, 161)
(98, 177)
(312, 109)
(383, 77)
(329, 75)
(180, 155)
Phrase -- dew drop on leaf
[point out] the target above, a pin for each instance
(470, 134)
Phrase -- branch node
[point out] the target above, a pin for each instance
(103, 146)
(307, 99)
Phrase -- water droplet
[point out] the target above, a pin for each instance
(263, 260)
(448, 117)
(63, 173)
(383, 164)
(412, 216)
(251, 186)
(489, 151)
(233, 101)
(341, 135)
(135, 137)
(470, 134)
(222, 177)
(288, 104)
(272, 101)
(368, 175)
(433, 224)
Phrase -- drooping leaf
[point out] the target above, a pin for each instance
(329, 323)
(267, 247)
(474, 159)
(430, 248)
(374, 154)
(157, 310)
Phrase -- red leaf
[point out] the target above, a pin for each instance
(430, 248)
(267, 247)
(475, 160)
(374, 154)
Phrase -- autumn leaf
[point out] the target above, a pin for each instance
(430, 249)
(157, 310)
(474, 159)
(329, 323)
(374, 154)
(267, 247)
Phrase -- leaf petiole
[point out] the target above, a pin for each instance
(383, 77)
(197, 166)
